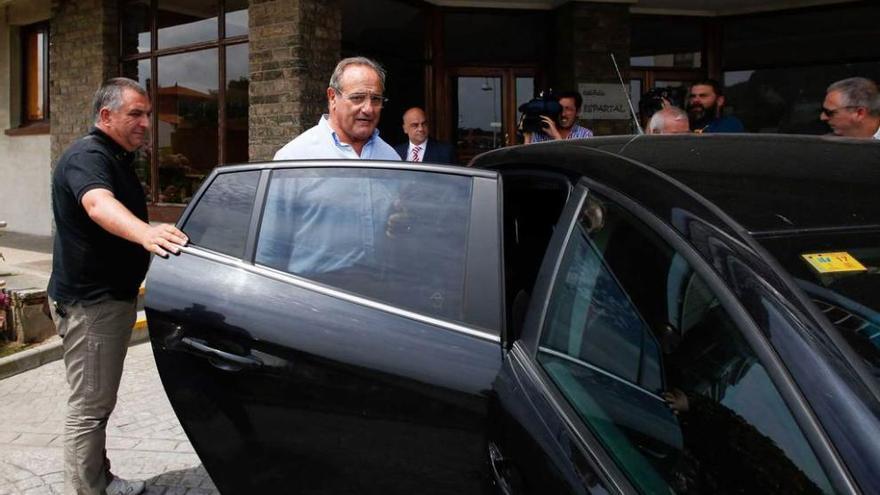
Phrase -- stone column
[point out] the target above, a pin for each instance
(586, 34)
(83, 54)
(294, 46)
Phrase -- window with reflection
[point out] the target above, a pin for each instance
(183, 23)
(479, 108)
(396, 236)
(139, 70)
(777, 65)
(667, 41)
(221, 219)
(656, 368)
(187, 133)
(192, 56)
(788, 99)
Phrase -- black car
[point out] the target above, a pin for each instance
(652, 314)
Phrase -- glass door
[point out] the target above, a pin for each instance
(479, 123)
(484, 107)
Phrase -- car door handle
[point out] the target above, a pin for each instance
(227, 358)
(499, 469)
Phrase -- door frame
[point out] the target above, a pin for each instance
(508, 75)
(650, 75)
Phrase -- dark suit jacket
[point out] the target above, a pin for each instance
(435, 152)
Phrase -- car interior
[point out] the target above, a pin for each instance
(533, 202)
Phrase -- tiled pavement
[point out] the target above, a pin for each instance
(144, 439)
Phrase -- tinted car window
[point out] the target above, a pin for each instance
(221, 218)
(655, 367)
(839, 272)
(396, 236)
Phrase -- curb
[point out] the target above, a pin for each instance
(52, 350)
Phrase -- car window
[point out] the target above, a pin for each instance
(221, 218)
(840, 272)
(654, 366)
(395, 236)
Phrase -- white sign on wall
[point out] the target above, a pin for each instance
(604, 101)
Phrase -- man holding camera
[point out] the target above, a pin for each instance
(566, 127)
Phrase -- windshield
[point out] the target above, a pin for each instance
(841, 274)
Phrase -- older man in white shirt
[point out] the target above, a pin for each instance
(852, 108)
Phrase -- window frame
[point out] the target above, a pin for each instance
(794, 400)
(171, 211)
(259, 186)
(644, 329)
(483, 283)
(27, 125)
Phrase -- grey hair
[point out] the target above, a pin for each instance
(346, 62)
(658, 120)
(110, 94)
(858, 92)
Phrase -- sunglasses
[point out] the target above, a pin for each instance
(830, 112)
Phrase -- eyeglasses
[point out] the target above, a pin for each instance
(358, 99)
(830, 112)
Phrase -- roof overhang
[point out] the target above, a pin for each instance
(708, 8)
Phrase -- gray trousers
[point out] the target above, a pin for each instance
(95, 340)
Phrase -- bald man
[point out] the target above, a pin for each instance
(421, 148)
(669, 120)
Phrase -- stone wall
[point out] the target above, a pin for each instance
(294, 46)
(586, 33)
(82, 55)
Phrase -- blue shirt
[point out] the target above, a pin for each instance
(322, 141)
(318, 222)
(728, 123)
(576, 133)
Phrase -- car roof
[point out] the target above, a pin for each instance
(766, 183)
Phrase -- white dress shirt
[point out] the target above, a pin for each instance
(409, 151)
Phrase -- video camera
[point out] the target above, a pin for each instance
(652, 100)
(545, 104)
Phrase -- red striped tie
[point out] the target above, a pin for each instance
(415, 154)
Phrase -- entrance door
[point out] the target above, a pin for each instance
(484, 107)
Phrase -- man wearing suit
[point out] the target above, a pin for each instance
(420, 148)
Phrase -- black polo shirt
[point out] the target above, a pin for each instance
(90, 264)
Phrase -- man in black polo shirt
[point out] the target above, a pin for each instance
(102, 248)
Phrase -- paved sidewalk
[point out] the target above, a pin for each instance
(27, 260)
(144, 438)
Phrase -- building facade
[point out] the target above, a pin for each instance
(233, 80)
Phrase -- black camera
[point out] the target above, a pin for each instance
(652, 100)
(545, 104)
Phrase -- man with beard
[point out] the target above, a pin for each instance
(852, 108)
(567, 127)
(705, 102)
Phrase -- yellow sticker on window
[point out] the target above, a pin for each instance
(834, 262)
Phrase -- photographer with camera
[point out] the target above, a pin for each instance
(549, 117)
